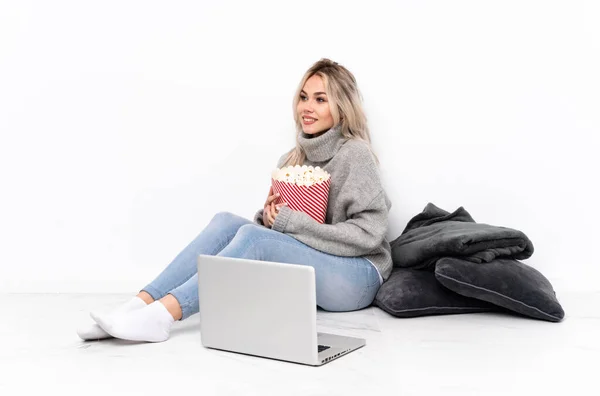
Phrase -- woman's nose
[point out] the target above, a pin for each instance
(306, 106)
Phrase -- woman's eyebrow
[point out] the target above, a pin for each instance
(316, 93)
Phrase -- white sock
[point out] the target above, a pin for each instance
(151, 323)
(94, 332)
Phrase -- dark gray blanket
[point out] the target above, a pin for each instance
(436, 233)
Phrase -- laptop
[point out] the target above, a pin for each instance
(265, 309)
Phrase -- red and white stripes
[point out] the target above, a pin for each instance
(311, 200)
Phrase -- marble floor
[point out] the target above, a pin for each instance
(470, 354)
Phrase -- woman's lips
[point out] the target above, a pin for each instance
(308, 121)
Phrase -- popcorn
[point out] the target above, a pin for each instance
(303, 188)
(301, 175)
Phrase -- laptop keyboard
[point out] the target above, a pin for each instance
(321, 348)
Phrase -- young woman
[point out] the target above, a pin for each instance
(349, 252)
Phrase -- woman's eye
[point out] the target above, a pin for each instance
(302, 97)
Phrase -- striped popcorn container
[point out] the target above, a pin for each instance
(308, 197)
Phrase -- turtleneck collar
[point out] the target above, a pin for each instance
(324, 147)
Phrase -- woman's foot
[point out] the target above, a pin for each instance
(152, 323)
(94, 332)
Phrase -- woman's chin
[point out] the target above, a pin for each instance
(313, 132)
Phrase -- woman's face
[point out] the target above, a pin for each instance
(313, 107)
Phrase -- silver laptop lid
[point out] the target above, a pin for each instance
(257, 307)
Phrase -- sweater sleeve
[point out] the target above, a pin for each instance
(360, 234)
(258, 217)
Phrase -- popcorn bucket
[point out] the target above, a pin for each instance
(311, 199)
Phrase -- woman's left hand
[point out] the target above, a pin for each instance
(270, 213)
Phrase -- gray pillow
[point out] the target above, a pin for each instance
(507, 283)
(409, 293)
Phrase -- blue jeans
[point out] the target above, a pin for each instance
(342, 283)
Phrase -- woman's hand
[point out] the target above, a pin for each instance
(270, 210)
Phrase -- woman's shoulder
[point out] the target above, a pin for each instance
(356, 146)
(284, 157)
(357, 151)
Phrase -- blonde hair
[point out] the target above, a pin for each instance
(345, 102)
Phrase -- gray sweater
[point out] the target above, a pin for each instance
(357, 211)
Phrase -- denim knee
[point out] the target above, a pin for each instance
(221, 217)
(253, 231)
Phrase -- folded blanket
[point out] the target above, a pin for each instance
(436, 233)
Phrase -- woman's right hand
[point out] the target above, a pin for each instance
(269, 212)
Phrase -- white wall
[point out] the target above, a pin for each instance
(126, 125)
